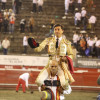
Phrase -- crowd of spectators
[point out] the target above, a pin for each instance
(87, 45)
(7, 21)
(83, 20)
(84, 17)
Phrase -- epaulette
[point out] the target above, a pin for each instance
(50, 38)
(67, 41)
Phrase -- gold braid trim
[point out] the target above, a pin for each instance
(67, 73)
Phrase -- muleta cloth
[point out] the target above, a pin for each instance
(70, 64)
(32, 43)
(47, 94)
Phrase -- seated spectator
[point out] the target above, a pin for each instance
(82, 46)
(90, 44)
(97, 45)
(75, 40)
(95, 38)
(87, 37)
(81, 36)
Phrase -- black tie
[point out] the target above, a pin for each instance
(57, 43)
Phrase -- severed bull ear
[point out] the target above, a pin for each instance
(32, 43)
(98, 80)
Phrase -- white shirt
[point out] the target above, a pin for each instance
(75, 38)
(5, 44)
(91, 43)
(87, 38)
(25, 43)
(67, 4)
(25, 77)
(97, 43)
(83, 13)
(59, 39)
(79, 1)
(78, 16)
(6, 13)
(92, 19)
(95, 39)
(34, 1)
(40, 2)
(4, 1)
(67, 1)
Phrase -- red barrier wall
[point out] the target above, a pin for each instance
(85, 78)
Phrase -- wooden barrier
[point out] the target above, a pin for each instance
(85, 78)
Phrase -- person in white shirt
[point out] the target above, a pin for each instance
(95, 38)
(4, 4)
(84, 19)
(97, 45)
(34, 6)
(91, 43)
(92, 21)
(87, 37)
(23, 79)
(79, 2)
(75, 40)
(77, 18)
(25, 43)
(6, 13)
(40, 4)
(83, 12)
(5, 45)
(66, 6)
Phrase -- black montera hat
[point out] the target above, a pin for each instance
(32, 43)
